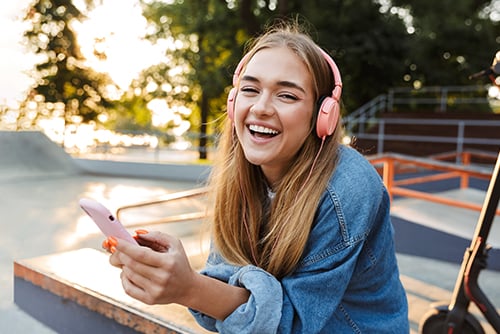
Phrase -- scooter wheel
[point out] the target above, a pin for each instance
(434, 322)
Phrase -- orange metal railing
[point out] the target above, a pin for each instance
(390, 165)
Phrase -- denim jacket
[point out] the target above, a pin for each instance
(348, 279)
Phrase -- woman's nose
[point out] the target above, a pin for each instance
(263, 105)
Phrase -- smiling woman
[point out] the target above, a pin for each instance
(301, 235)
(270, 112)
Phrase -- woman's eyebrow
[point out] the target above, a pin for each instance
(291, 84)
(249, 78)
(284, 83)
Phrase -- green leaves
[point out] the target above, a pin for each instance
(61, 77)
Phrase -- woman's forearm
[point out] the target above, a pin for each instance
(214, 298)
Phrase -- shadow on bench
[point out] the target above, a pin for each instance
(80, 292)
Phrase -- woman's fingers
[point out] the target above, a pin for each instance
(157, 273)
(134, 287)
(115, 260)
(157, 241)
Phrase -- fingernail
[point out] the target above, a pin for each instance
(112, 241)
(112, 249)
(141, 231)
(105, 244)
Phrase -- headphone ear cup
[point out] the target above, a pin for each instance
(230, 103)
(328, 116)
(329, 109)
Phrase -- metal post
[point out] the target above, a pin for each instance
(460, 140)
(390, 100)
(381, 130)
(444, 98)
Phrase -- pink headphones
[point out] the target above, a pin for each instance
(329, 110)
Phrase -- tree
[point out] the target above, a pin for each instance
(64, 86)
(452, 39)
(367, 45)
(376, 44)
(203, 35)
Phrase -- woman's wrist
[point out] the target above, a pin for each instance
(213, 297)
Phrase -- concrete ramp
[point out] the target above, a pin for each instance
(440, 231)
(26, 154)
(448, 219)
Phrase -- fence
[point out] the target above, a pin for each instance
(445, 99)
(460, 139)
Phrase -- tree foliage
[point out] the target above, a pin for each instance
(203, 35)
(452, 39)
(64, 85)
(212, 35)
(377, 45)
(368, 46)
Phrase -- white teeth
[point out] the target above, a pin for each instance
(261, 129)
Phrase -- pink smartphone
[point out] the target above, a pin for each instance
(105, 220)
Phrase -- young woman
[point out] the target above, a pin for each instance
(301, 235)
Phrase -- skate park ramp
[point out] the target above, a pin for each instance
(439, 231)
(27, 154)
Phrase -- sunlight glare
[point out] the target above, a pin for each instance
(346, 140)
(116, 28)
(85, 226)
(493, 92)
(162, 114)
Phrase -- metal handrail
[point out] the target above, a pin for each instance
(433, 95)
(440, 96)
(390, 164)
(364, 114)
(168, 198)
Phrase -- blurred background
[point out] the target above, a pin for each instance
(149, 79)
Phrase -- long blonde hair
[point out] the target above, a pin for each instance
(244, 230)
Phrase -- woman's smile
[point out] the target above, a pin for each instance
(262, 132)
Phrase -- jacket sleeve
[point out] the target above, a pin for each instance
(260, 314)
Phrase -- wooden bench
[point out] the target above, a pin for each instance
(80, 292)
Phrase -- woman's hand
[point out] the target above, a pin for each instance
(157, 272)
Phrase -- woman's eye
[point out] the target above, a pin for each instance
(249, 90)
(289, 97)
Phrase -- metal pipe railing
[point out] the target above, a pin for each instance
(196, 192)
(388, 165)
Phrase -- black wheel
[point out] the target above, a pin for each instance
(434, 322)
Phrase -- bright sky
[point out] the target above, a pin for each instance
(118, 21)
(12, 59)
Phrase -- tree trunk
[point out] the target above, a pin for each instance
(202, 149)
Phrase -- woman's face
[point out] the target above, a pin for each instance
(273, 109)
